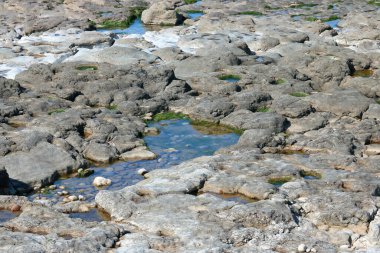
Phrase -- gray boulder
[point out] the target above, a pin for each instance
(244, 119)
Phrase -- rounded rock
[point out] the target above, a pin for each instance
(73, 198)
(15, 208)
(101, 181)
(142, 171)
(302, 248)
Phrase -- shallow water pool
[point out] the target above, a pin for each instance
(177, 142)
(136, 27)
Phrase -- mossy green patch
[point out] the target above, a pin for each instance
(134, 13)
(169, 115)
(84, 173)
(263, 109)
(211, 128)
(87, 67)
(330, 6)
(363, 73)
(112, 107)
(253, 13)
(310, 174)
(229, 77)
(278, 181)
(190, 1)
(194, 11)
(331, 18)
(299, 94)
(56, 111)
(303, 5)
(374, 2)
(311, 19)
(280, 81)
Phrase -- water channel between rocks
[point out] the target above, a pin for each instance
(177, 142)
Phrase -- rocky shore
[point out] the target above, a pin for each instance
(299, 80)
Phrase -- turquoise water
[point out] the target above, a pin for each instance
(177, 142)
(195, 15)
(231, 80)
(333, 23)
(136, 27)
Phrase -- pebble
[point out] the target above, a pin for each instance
(101, 181)
(73, 198)
(302, 248)
(81, 198)
(142, 171)
(62, 187)
(15, 208)
(52, 187)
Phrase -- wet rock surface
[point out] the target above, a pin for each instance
(298, 80)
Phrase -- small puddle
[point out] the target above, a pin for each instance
(333, 23)
(195, 14)
(92, 215)
(137, 27)
(229, 78)
(363, 73)
(6, 215)
(174, 135)
(231, 197)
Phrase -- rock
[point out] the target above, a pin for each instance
(137, 154)
(162, 13)
(85, 172)
(101, 181)
(100, 152)
(290, 106)
(257, 138)
(373, 112)
(340, 102)
(113, 55)
(9, 88)
(73, 198)
(142, 171)
(4, 181)
(46, 161)
(373, 149)
(302, 248)
(81, 198)
(244, 119)
(15, 208)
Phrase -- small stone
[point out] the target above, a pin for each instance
(101, 181)
(65, 193)
(85, 172)
(62, 187)
(308, 250)
(83, 209)
(73, 198)
(142, 171)
(151, 131)
(15, 208)
(52, 187)
(65, 199)
(313, 250)
(81, 198)
(302, 248)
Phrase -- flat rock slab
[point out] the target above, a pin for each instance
(340, 102)
(40, 166)
(113, 55)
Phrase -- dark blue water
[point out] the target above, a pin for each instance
(178, 141)
(136, 27)
(6, 216)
